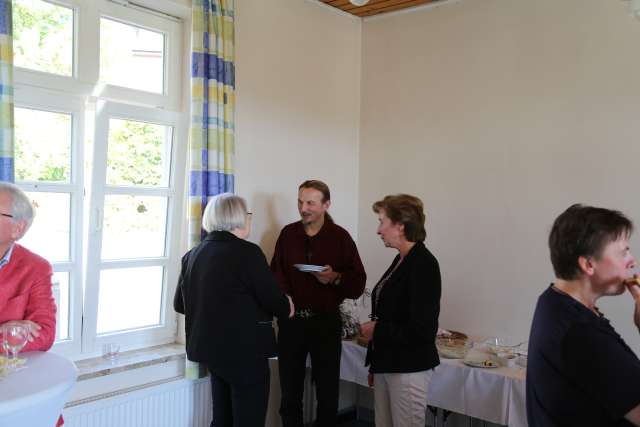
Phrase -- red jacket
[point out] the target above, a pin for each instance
(25, 294)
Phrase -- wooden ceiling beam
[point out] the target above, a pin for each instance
(373, 4)
(394, 7)
(375, 7)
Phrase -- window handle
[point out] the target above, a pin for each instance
(98, 219)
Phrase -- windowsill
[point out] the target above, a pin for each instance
(134, 359)
(133, 370)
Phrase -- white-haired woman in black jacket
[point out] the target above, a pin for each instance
(229, 298)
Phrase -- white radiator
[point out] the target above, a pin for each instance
(181, 403)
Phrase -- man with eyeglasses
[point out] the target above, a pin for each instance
(317, 263)
(25, 278)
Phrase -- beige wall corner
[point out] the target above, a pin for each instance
(298, 76)
(499, 115)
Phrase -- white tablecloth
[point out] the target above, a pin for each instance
(35, 396)
(496, 395)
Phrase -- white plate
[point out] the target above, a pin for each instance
(487, 363)
(310, 268)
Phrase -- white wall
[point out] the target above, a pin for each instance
(298, 94)
(499, 115)
(297, 111)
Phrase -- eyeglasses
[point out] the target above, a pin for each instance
(7, 215)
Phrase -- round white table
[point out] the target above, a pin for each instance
(35, 396)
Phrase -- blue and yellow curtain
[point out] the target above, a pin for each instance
(6, 92)
(212, 107)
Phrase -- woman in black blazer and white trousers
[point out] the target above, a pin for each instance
(404, 310)
(229, 298)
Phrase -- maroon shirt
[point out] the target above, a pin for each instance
(331, 246)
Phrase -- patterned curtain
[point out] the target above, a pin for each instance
(212, 107)
(6, 92)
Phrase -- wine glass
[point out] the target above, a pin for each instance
(14, 338)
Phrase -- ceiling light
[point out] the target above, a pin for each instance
(359, 2)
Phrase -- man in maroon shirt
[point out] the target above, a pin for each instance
(315, 328)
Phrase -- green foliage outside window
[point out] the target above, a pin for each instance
(136, 154)
(43, 36)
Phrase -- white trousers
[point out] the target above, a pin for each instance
(401, 399)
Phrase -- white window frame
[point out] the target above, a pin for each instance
(84, 70)
(170, 98)
(43, 100)
(79, 95)
(165, 331)
(86, 67)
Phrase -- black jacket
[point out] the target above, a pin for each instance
(229, 297)
(407, 316)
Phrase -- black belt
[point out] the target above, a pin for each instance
(308, 313)
(305, 313)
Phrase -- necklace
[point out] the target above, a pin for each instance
(383, 281)
(593, 309)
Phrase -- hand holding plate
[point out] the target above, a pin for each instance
(326, 276)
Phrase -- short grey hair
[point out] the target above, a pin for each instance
(21, 207)
(224, 212)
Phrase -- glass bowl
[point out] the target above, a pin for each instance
(502, 346)
(453, 348)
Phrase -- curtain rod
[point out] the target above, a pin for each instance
(136, 6)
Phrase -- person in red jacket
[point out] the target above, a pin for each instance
(25, 278)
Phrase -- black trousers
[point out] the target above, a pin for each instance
(320, 337)
(237, 400)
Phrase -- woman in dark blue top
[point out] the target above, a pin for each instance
(580, 371)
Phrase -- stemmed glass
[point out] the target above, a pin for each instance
(14, 338)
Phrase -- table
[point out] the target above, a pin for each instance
(496, 395)
(35, 396)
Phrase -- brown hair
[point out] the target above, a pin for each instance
(321, 187)
(317, 185)
(406, 210)
(583, 231)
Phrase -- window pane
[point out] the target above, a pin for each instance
(43, 145)
(43, 36)
(129, 298)
(131, 56)
(138, 154)
(50, 233)
(61, 296)
(134, 227)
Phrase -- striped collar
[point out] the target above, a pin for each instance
(5, 259)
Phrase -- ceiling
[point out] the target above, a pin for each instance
(375, 7)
